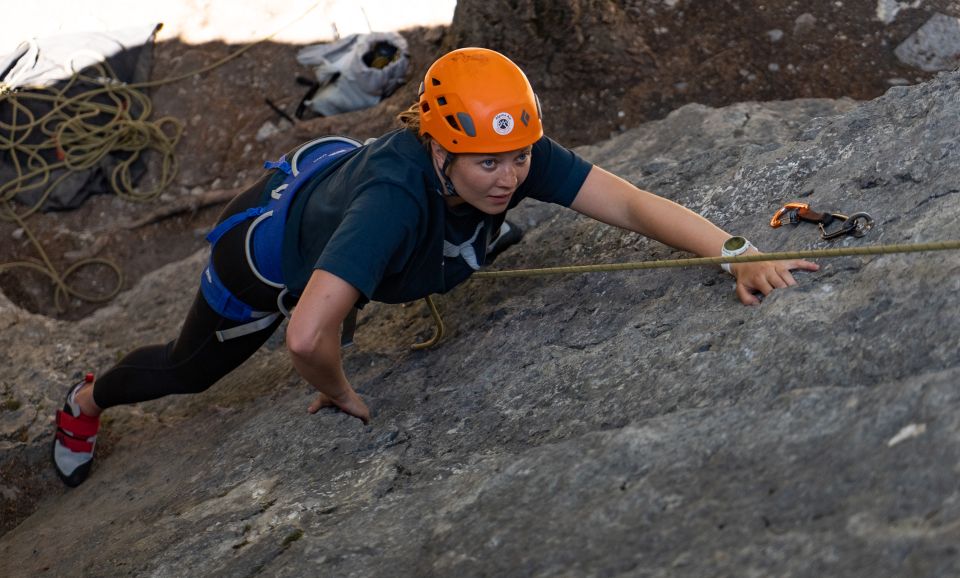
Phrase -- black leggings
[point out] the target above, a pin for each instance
(197, 359)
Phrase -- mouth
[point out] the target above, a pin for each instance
(500, 199)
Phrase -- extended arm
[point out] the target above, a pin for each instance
(612, 200)
(313, 339)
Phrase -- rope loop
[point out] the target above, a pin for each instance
(73, 136)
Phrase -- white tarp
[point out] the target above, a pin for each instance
(935, 46)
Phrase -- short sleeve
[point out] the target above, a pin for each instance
(375, 238)
(556, 173)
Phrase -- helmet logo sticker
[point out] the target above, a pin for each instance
(503, 123)
(525, 118)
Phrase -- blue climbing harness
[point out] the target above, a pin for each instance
(264, 238)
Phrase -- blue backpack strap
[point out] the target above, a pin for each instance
(223, 301)
(231, 222)
(267, 235)
(227, 305)
(214, 291)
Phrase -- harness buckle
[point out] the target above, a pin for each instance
(283, 164)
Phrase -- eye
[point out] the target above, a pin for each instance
(488, 163)
(523, 157)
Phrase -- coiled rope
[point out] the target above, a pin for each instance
(70, 133)
(439, 328)
(67, 133)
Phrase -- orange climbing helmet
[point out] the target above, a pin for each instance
(476, 100)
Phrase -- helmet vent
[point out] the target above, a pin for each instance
(452, 122)
(424, 107)
(434, 81)
(467, 123)
(442, 100)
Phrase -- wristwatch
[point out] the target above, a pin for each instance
(733, 247)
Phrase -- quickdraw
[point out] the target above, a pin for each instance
(856, 224)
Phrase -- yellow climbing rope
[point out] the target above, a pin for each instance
(689, 262)
(63, 289)
(704, 261)
(438, 330)
(69, 134)
(73, 134)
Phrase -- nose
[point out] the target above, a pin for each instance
(508, 177)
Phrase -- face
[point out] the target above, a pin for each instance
(487, 181)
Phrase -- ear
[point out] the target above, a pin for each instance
(438, 153)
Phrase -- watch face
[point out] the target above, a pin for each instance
(734, 244)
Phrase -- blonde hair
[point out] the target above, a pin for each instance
(410, 119)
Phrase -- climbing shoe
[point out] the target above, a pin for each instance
(508, 235)
(75, 439)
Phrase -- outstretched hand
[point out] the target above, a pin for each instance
(765, 276)
(349, 403)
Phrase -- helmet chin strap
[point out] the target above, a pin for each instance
(448, 189)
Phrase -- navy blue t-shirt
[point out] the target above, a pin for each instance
(376, 219)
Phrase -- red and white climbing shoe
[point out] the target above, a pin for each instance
(75, 439)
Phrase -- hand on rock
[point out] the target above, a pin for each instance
(349, 403)
(765, 276)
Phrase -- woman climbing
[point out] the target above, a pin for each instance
(413, 213)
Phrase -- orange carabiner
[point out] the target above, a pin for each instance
(793, 212)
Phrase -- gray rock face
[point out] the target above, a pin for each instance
(616, 424)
